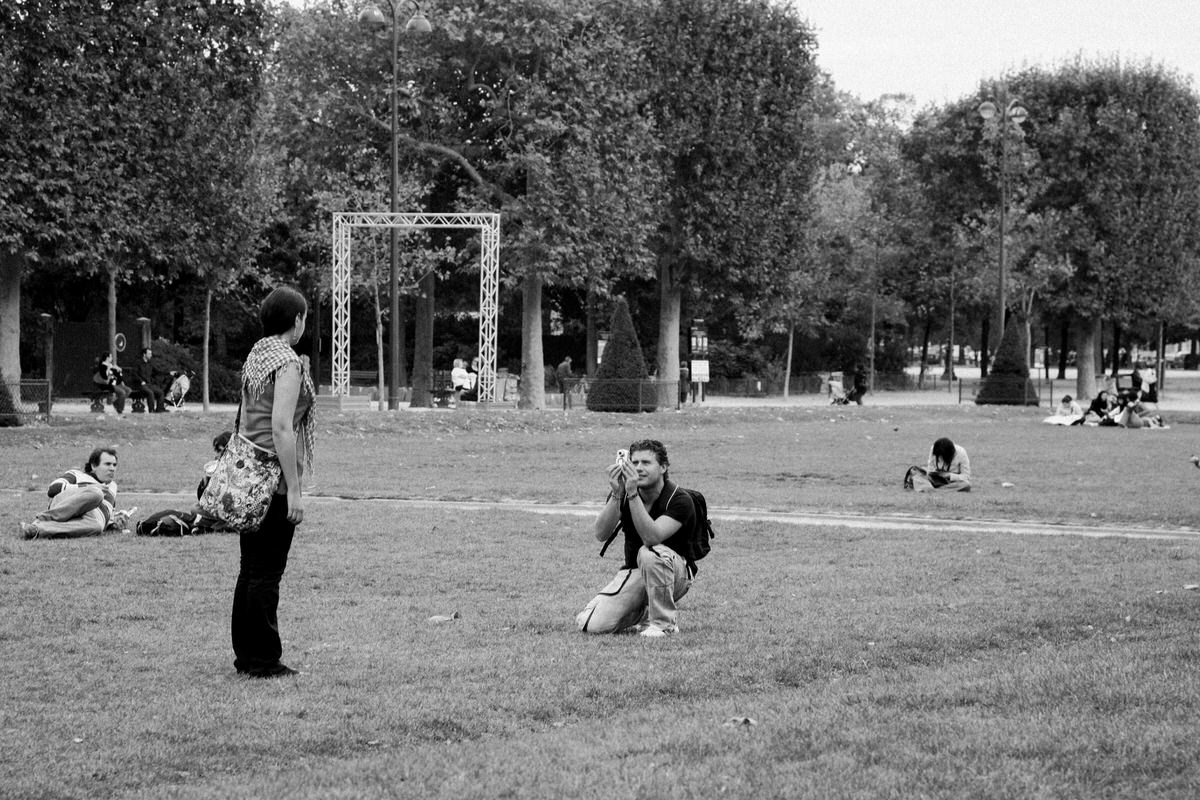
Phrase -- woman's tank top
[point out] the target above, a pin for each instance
(256, 424)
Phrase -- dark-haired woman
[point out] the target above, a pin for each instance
(107, 376)
(276, 414)
(948, 467)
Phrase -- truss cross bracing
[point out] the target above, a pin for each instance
(489, 285)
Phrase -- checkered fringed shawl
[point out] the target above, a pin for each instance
(266, 357)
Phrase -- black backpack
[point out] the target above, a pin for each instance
(702, 531)
(700, 542)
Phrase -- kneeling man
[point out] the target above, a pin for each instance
(82, 502)
(657, 518)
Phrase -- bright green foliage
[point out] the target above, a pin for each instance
(620, 383)
(1008, 382)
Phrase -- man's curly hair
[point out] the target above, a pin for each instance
(656, 447)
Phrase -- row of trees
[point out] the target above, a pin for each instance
(686, 154)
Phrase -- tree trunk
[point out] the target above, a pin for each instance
(787, 367)
(402, 340)
(1116, 349)
(1087, 339)
(1046, 349)
(670, 293)
(423, 344)
(12, 265)
(533, 368)
(592, 334)
(380, 379)
(983, 346)
(1160, 366)
(1064, 345)
(315, 313)
(204, 356)
(112, 314)
(924, 350)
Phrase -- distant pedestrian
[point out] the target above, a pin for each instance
(565, 380)
(859, 385)
(685, 381)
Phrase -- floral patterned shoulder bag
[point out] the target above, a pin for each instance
(240, 488)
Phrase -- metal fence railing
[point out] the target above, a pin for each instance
(32, 400)
(611, 394)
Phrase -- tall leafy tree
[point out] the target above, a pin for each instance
(731, 81)
(1120, 149)
(97, 97)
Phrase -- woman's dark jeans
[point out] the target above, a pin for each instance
(255, 627)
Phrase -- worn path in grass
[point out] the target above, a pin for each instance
(150, 502)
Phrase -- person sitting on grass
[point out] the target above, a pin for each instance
(1067, 413)
(82, 502)
(172, 522)
(657, 518)
(948, 468)
(146, 381)
(1101, 407)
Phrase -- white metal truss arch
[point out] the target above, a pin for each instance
(489, 284)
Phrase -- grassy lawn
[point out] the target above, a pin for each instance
(880, 664)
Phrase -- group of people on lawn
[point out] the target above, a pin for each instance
(655, 517)
(276, 413)
(1113, 407)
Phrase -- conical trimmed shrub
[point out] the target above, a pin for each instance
(1008, 382)
(621, 382)
(8, 409)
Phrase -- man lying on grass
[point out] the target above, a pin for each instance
(82, 502)
(658, 518)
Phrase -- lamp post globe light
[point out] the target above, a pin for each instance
(373, 17)
(1003, 119)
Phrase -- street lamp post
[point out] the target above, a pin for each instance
(418, 24)
(1003, 118)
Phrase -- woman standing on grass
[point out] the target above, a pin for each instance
(277, 414)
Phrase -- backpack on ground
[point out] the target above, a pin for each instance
(167, 523)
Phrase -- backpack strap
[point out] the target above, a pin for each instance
(616, 529)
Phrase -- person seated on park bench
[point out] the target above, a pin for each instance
(82, 502)
(460, 379)
(948, 468)
(147, 381)
(108, 379)
(472, 394)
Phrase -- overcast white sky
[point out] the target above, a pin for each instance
(937, 50)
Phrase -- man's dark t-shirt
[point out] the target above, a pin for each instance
(675, 503)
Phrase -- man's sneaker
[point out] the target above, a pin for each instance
(655, 632)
